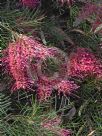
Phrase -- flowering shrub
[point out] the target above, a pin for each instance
(42, 52)
(19, 58)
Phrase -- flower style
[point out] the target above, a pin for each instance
(45, 87)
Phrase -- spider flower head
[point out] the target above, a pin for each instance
(84, 63)
(19, 55)
(30, 3)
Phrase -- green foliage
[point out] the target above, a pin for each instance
(4, 113)
(89, 111)
(27, 122)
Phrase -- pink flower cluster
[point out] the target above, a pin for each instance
(30, 3)
(19, 57)
(54, 126)
(24, 58)
(84, 63)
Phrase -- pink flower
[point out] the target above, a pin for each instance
(84, 63)
(30, 3)
(19, 56)
(17, 63)
(66, 87)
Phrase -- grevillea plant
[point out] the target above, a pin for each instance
(51, 64)
(19, 55)
(23, 59)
